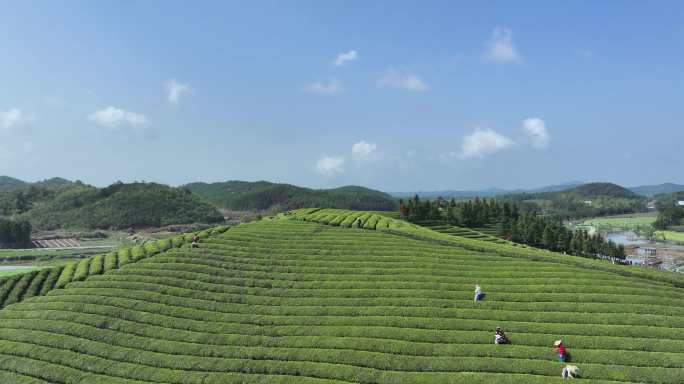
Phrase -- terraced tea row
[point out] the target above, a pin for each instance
(38, 283)
(486, 234)
(289, 301)
(402, 228)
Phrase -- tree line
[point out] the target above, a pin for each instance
(670, 213)
(14, 233)
(517, 224)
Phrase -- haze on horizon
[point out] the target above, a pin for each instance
(397, 96)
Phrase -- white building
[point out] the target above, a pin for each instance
(681, 202)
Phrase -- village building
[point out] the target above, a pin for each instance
(642, 251)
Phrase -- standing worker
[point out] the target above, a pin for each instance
(560, 349)
(478, 292)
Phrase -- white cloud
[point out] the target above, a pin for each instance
(12, 117)
(330, 88)
(344, 58)
(500, 48)
(5, 153)
(363, 150)
(481, 143)
(175, 90)
(402, 79)
(535, 128)
(330, 166)
(112, 117)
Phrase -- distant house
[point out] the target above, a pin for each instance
(646, 251)
(681, 202)
(587, 202)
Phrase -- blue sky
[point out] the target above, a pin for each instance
(391, 95)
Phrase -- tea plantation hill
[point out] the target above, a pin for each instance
(263, 195)
(58, 203)
(307, 297)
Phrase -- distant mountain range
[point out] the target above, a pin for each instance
(59, 203)
(263, 195)
(52, 183)
(643, 190)
(658, 189)
(490, 192)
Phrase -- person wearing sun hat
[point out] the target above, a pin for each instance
(560, 349)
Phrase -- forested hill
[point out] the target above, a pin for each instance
(118, 206)
(653, 190)
(10, 182)
(263, 195)
(7, 182)
(591, 199)
(594, 190)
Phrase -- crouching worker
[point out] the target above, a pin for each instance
(195, 241)
(570, 371)
(500, 336)
(478, 293)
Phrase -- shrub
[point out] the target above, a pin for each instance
(138, 252)
(82, 270)
(66, 276)
(124, 256)
(111, 261)
(96, 265)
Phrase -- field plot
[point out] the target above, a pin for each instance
(292, 301)
(677, 237)
(626, 222)
(15, 270)
(57, 243)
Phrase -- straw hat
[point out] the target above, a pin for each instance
(557, 343)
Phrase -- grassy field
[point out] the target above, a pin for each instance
(294, 300)
(626, 222)
(677, 237)
(12, 272)
(39, 253)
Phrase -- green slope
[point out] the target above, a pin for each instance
(291, 300)
(262, 195)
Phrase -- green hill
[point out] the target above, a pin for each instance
(295, 300)
(11, 182)
(586, 200)
(594, 190)
(653, 190)
(7, 182)
(54, 183)
(262, 195)
(118, 206)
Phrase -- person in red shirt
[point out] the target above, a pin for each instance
(195, 241)
(560, 349)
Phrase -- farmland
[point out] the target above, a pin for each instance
(677, 237)
(15, 271)
(315, 296)
(624, 222)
